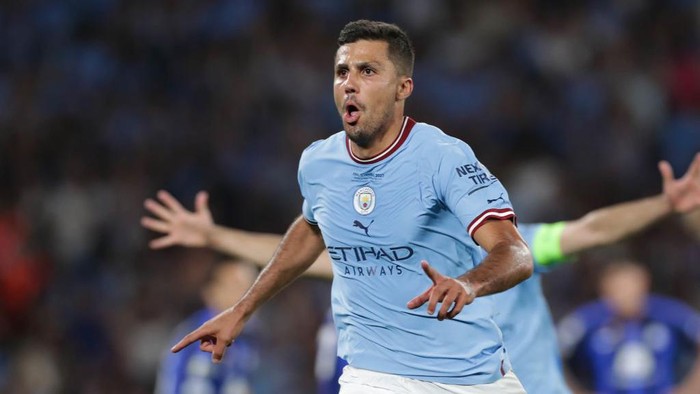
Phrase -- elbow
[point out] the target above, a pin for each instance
(519, 261)
(526, 266)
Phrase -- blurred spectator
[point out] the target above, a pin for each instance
(632, 341)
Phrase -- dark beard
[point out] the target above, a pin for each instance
(363, 140)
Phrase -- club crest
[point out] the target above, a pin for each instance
(364, 200)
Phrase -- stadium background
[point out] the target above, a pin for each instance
(103, 102)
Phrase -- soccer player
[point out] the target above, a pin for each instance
(418, 229)
(522, 312)
(191, 371)
(630, 341)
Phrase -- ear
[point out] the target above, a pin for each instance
(404, 89)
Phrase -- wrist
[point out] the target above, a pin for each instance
(243, 309)
(471, 287)
(209, 235)
(666, 202)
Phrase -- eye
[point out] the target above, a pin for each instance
(341, 72)
(368, 71)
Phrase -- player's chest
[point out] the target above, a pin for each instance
(377, 202)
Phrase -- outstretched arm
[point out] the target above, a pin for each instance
(611, 224)
(197, 229)
(298, 250)
(259, 247)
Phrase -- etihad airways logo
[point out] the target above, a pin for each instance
(376, 261)
(360, 254)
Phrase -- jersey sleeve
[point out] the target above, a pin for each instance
(305, 188)
(469, 190)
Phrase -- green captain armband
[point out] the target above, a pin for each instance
(546, 246)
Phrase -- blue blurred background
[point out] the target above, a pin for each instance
(103, 102)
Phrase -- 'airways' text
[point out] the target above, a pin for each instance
(372, 270)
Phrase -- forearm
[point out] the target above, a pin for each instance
(257, 248)
(299, 248)
(507, 264)
(611, 224)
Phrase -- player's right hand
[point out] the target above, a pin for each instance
(215, 335)
(180, 226)
(452, 293)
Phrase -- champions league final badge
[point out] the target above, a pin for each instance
(364, 200)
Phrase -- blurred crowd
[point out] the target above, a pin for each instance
(103, 102)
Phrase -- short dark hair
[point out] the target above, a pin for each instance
(401, 50)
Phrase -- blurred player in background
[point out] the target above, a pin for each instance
(523, 314)
(631, 341)
(191, 371)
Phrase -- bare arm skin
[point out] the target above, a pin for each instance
(611, 224)
(197, 229)
(298, 250)
(508, 263)
(259, 247)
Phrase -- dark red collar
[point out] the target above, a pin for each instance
(406, 127)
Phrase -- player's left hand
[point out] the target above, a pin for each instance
(684, 192)
(453, 293)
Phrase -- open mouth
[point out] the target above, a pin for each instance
(352, 114)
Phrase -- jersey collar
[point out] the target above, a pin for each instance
(406, 127)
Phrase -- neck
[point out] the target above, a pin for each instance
(385, 139)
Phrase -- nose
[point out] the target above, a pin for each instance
(350, 85)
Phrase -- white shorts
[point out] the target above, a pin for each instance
(362, 381)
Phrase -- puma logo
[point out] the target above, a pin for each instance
(489, 201)
(357, 223)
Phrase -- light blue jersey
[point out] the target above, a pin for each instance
(379, 218)
(523, 316)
